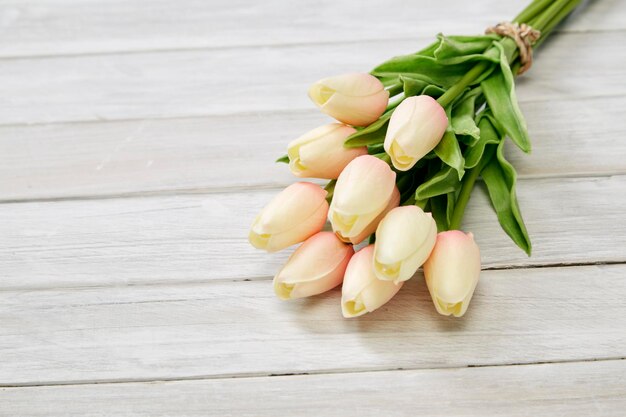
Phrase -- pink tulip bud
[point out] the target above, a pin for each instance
(416, 128)
(362, 292)
(320, 153)
(404, 239)
(295, 214)
(363, 191)
(357, 99)
(318, 265)
(452, 272)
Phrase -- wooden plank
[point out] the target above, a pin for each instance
(570, 138)
(203, 237)
(222, 329)
(32, 28)
(195, 83)
(572, 389)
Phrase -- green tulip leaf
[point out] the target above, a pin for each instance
(443, 182)
(499, 90)
(500, 179)
(455, 46)
(370, 135)
(449, 151)
(442, 75)
(488, 135)
(463, 113)
(438, 208)
(413, 86)
(433, 91)
(284, 159)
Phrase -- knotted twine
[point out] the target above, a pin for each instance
(524, 37)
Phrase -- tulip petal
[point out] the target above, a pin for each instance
(315, 267)
(404, 240)
(357, 99)
(296, 213)
(362, 192)
(362, 292)
(452, 272)
(415, 128)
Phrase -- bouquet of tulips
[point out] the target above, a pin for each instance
(409, 142)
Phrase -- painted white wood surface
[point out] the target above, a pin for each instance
(567, 389)
(136, 145)
(226, 329)
(204, 237)
(53, 27)
(197, 154)
(243, 80)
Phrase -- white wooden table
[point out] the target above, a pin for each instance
(136, 144)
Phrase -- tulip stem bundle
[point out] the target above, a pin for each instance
(409, 143)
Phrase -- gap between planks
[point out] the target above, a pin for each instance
(184, 282)
(264, 187)
(346, 371)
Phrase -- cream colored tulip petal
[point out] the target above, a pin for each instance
(356, 110)
(403, 231)
(399, 158)
(364, 186)
(294, 148)
(290, 208)
(379, 293)
(416, 127)
(452, 272)
(301, 232)
(327, 156)
(410, 265)
(353, 84)
(371, 227)
(362, 292)
(316, 266)
(399, 119)
(320, 93)
(315, 258)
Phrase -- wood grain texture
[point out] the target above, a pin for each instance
(225, 152)
(240, 329)
(136, 141)
(204, 237)
(31, 27)
(245, 80)
(568, 389)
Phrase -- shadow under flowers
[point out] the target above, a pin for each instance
(406, 332)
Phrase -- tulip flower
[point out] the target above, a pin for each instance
(320, 153)
(416, 127)
(363, 191)
(318, 265)
(404, 239)
(295, 214)
(362, 292)
(371, 228)
(452, 272)
(357, 99)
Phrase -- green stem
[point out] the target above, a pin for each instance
(468, 184)
(544, 20)
(565, 11)
(549, 14)
(465, 81)
(532, 11)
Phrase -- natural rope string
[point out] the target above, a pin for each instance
(524, 37)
